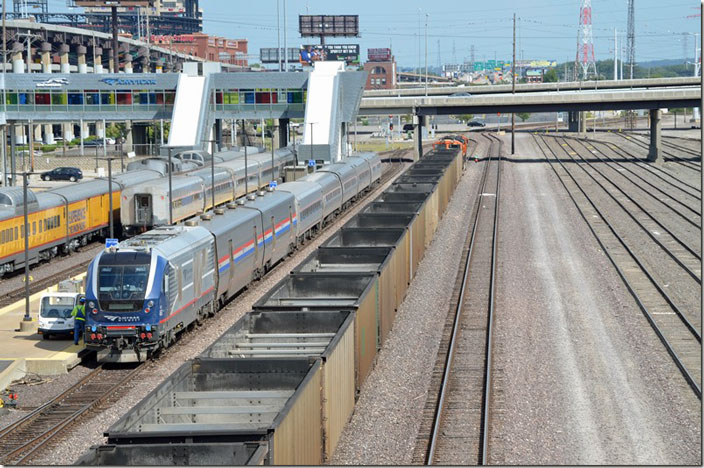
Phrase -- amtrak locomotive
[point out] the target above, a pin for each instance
(143, 293)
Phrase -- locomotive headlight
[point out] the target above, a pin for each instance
(93, 328)
(150, 304)
(148, 327)
(91, 305)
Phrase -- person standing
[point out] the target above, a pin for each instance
(79, 319)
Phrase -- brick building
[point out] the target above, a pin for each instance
(211, 48)
(381, 69)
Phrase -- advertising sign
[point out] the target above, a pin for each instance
(328, 25)
(379, 55)
(348, 53)
(271, 54)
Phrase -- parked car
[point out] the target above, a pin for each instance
(63, 173)
(58, 139)
(109, 141)
(409, 127)
(461, 94)
(476, 123)
(96, 142)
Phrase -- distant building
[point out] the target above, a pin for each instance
(534, 76)
(381, 69)
(211, 48)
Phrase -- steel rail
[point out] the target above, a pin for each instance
(647, 213)
(457, 314)
(30, 447)
(674, 158)
(646, 313)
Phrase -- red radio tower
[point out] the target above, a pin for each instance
(585, 43)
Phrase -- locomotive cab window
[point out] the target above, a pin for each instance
(122, 282)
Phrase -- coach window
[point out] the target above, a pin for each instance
(15, 233)
(2, 237)
(34, 228)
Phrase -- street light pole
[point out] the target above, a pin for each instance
(112, 227)
(171, 203)
(212, 172)
(246, 174)
(27, 317)
(272, 152)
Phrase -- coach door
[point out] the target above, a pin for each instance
(143, 209)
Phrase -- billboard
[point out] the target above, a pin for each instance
(271, 54)
(328, 25)
(111, 3)
(379, 55)
(348, 53)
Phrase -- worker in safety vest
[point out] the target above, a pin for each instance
(79, 319)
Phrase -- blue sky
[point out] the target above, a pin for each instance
(547, 29)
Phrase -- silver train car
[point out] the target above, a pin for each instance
(60, 219)
(147, 290)
(146, 205)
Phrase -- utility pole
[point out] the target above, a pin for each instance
(285, 49)
(615, 54)
(426, 54)
(27, 317)
(115, 52)
(513, 88)
(278, 34)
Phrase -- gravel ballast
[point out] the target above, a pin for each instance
(585, 379)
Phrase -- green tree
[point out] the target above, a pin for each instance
(523, 116)
(550, 76)
(465, 117)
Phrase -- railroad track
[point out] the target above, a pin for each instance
(457, 415)
(681, 338)
(655, 171)
(22, 440)
(40, 284)
(686, 256)
(689, 164)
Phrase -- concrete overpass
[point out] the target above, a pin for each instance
(654, 98)
(539, 87)
(643, 98)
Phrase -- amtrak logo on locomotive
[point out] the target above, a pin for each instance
(115, 318)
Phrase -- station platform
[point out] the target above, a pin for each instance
(25, 351)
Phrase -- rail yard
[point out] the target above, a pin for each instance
(204, 261)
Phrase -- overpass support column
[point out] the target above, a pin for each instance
(282, 126)
(128, 63)
(17, 61)
(81, 54)
(98, 60)
(129, 138)
(654, 152)
(419, 135)
(576, 122)
(45, 50)
(63, 55)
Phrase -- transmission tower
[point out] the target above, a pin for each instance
(585, 42)
(631, 46)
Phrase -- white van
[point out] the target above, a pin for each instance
(55, 309)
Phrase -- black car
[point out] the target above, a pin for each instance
(96, 142)
(409, 127)
(63, 173)
(476, 123)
